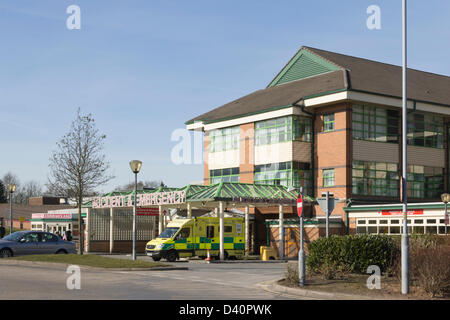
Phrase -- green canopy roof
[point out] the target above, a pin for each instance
(245, 192)
(225, 191)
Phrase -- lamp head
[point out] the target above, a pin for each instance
(445, 197)
(135, 166)
(11, 187)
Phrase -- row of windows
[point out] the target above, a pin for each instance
(425, 130)
(394, 226)
(382, 179)
(368, 123)
(383, 125)
(283, 129)
(375, 178)
(296, 174)
(225, 175)
(292, 173)
(375, 124)
(224, 139)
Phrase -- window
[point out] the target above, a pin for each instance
(184, 233)
(328, 177)
(375, 178)
(224, 175)
(328, 122)
(295, 174)
(31, 237)
(282, 129)
(228, 229)
(425, 182)
(425, 130)
(224, 139)
(210, 231)
(375, 124)
(48, 237)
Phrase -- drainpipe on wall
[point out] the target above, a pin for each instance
(300, 103)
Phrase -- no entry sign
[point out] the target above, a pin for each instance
(299, 204)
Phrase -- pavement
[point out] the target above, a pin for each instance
(184, 279)
(197, 281)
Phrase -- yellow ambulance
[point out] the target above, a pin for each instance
(193, 237)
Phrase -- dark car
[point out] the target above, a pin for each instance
(34, 242)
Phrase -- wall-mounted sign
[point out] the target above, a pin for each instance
(142, 200)
(51, 216)
(147, 211)
(400, 212)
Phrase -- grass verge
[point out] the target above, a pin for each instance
(90, 260)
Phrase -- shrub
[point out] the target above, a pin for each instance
(430, 269)
(354, 253)
(291, 275)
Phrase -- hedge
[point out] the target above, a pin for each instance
(353, 253)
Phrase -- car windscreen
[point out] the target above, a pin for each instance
(168, 233)
(15, 236)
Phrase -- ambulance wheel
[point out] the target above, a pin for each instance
(156, 259)
(225, 255)
(172, 256)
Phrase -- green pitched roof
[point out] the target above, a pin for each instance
(245, 192)
(303, 65)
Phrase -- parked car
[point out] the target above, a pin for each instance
(34, 242)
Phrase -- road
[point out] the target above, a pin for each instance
(202, 281)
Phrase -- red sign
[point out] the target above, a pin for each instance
(299, 204)
(147, 211)
(400, 212)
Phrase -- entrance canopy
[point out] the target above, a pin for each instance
(199, 196)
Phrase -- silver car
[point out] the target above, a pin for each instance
(34, 242)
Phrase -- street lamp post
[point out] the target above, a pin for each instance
(405, 236)
(135, 166)
(445, 199)
(11, 189)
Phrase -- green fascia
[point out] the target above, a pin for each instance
(303, 52)
(396, 207)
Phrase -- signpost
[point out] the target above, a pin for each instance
(327, 205)
(301, 253)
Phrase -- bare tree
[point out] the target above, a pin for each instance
(78, 165)
(11, 178)
(140, 185)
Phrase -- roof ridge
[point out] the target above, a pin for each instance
(366, 59)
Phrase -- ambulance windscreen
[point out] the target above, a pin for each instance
(168, 233)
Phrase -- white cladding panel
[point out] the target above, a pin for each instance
(223, 159)
(273, 153)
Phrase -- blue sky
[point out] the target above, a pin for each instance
(142, 68)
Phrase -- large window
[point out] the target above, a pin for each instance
(425, 130)
(425, 182)
(282, 130)
(224, 139)
(375, 179)
(225, 175)
(375, 124)
(296, 174)
(328, 177)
